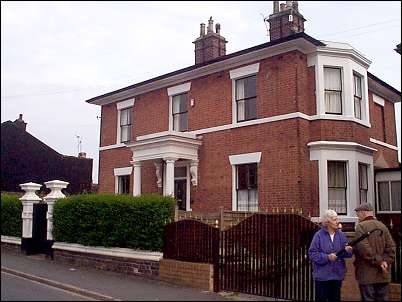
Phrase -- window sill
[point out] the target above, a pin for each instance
(340, 117)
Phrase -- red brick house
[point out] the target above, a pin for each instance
(294, 122)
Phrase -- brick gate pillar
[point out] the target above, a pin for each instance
(55, 186)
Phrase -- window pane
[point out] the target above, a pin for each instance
(240, 94)
(241, 116)
(336, 174)
(337, 200)
(332, 79)
(180, 172)
(179, 103)
(251, 109)
(358, 108)
(333, 102)
(357, 85)
(383, 196)
(125, 133)
(124, 184)
(125, 118)
(242, 177)
(396, 195)
(363, 182)
(252, 176)
(250, 87)
(183, 122)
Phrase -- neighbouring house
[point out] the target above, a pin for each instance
(291, 123)
(24, 158)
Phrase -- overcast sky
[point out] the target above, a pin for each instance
(56, 55)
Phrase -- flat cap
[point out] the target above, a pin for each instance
(365, 207)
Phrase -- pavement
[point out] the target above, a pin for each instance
(105, 285)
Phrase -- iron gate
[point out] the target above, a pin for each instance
(266, 254)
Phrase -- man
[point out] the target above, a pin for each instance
(373, 256)
(328, 268)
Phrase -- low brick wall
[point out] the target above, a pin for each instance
(199, 275)
(11, 244)
(118, 260)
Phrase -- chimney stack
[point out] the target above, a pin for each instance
(211, 45)
(286, 21)
(20, 123)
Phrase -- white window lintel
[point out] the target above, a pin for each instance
(123, 171)
(244, 71)
(125, 104)
(182, 88)
(246, 158)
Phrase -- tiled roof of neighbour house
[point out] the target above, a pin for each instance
(222, 58)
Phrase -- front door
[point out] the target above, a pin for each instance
(180, 193)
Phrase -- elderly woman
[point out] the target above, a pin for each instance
(328, 268)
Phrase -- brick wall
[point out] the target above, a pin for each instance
(138, 267)
(284, 84)
(199, 275)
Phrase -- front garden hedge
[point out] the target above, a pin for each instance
(113, 220)
(11, 215)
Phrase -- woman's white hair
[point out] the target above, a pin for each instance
(328, 214)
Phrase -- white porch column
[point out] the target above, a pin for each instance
(137, 178)
(27, 201)
(170, 176)
(55, 186)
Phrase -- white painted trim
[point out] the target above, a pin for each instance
(245, 158)
(125, 104)
(11, 239)
(319, 145)
(244, 71)
(179, 89)
(378, 100)
(388, 176)
(271, 119)
(109, 147)
(234, 193)
(373, 140)
(123, 171)
(114, 252)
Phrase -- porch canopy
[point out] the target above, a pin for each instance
(167, 146)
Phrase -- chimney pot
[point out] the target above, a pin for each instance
(276, 7)
(82, 155)
(210, 25)
(20, 123)
(202, 29)
(282, 7)
(218, 28)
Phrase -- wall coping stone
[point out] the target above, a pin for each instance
(11, 239)
(115, 252)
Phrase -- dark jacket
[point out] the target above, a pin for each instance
(370, 252)
(321, 246)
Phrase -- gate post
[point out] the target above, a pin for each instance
(28, 201)
(55, 186)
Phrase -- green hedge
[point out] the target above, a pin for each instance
(113, 220)
(11, 211)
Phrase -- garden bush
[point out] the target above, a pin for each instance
(11, 212)
(113, 220)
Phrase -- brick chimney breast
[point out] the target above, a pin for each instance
(285, 21)
(20, 123)
(210, 45)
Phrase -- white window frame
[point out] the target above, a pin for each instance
(120, 106)
(387, 177)
(236, 74)
(172, 91)
(120, 172)
(240, 159)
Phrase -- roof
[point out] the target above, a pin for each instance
(389, 92)
(222, 58)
